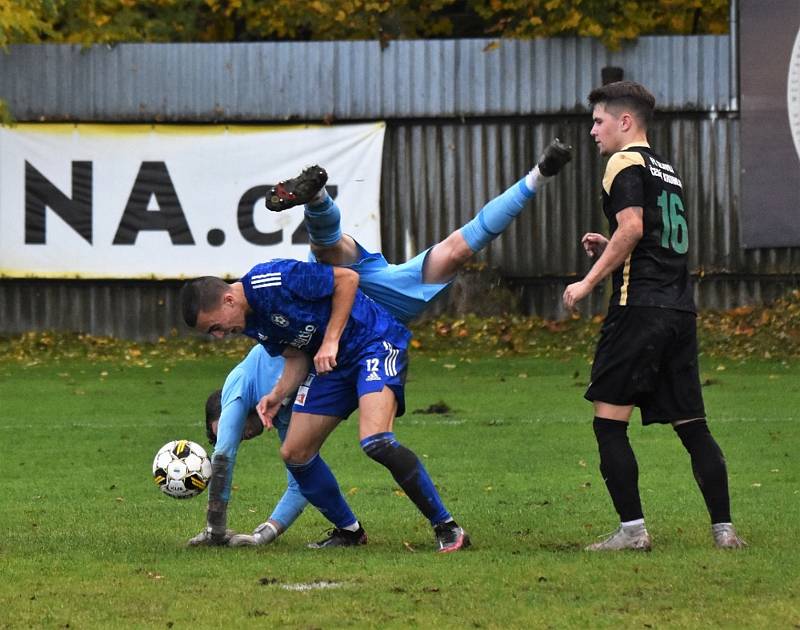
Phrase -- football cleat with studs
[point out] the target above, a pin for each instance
(450, 537)
(262, 535)
(633, 538)
(555, 156)
(341, 538)
(298, 190)
(725, 536)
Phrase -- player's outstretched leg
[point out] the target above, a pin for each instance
(412, 477)
(322, 215)
(497, 215)
(556, 155)
(297, 191)
(447, 257)
(711, 474)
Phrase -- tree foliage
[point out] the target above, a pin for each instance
(110, 21)
(612, 21)
(26, 21)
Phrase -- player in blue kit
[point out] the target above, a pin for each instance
(304, 310)
(401, 288)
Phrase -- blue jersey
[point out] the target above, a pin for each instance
(253, 378)
(291, 306)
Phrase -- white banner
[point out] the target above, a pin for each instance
(172, 201)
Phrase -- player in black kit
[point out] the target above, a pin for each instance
(647, 353)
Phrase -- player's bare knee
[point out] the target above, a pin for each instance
(446, 259)
(296, 455)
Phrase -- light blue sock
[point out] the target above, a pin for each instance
(496, 216)
(323, 222)
(320, 488)
(291, 504)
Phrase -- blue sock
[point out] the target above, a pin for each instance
(496, 216)
(319, 486)
(409, 473)
(291, 504)
(323, 222)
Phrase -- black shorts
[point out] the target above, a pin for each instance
(647, 356)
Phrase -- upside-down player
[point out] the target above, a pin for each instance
(405, 290)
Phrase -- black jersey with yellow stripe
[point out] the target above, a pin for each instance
(656, 272)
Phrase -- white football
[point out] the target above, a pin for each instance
(181, 469)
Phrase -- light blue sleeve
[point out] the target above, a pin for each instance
(231, 425)
(254, 377)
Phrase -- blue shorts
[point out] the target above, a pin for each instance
(336, 393)
(398, 288)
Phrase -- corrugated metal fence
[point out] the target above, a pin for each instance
(465, 119)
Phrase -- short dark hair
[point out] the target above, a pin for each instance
(626, 95)
(213, 412)
(200, 295)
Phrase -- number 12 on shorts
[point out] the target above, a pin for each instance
(675, 230)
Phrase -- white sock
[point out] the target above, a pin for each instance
(354, 527)
(534, 179)
(267, 532)
(633, 524)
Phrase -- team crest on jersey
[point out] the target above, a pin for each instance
(279, 320)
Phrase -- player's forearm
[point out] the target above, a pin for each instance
(295, 369)
(345, 285)
(619, 247)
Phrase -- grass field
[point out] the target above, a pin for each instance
(89, 542)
